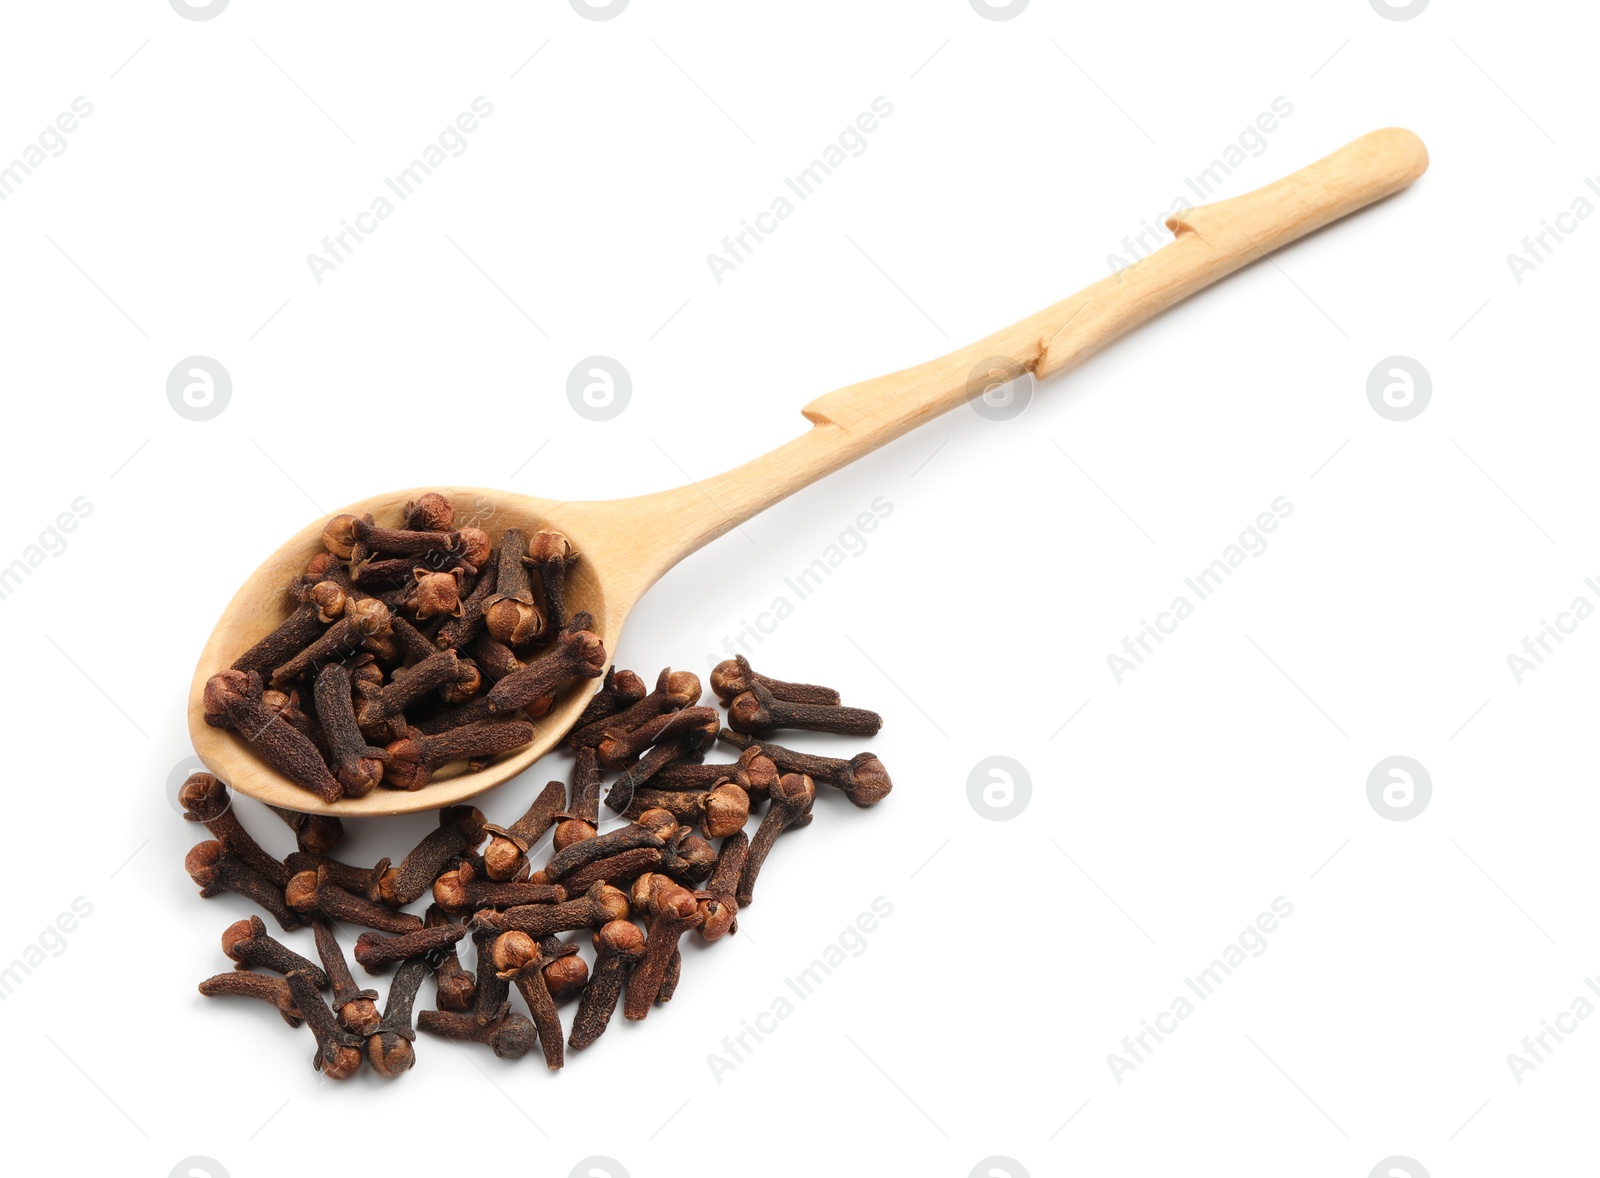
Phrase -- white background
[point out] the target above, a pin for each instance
(1228, 770)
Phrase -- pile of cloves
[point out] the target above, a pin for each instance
(408, 649)
(659, 869)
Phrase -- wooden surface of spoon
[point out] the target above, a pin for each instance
(625, 545)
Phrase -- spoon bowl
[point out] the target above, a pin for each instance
(625, 545)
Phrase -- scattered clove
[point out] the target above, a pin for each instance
(205, 800)
(215, 870)
(506, 855)
(247, 943)
(791, 809)
(673, 911)
(389, 1048)
(735, 676)
(355, 1008)
(456, 987)
(241, 983)
(376, 952)
(419, 693)
(862, 778)
(618, 945)
(759, 711)
(522, 960)
(338, 1051)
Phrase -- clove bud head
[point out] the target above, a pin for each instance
(203, 798)
(727, 808)
(566, 977)
(330, 599)
(574, 830)
(502, 859)
(301, 891)
(660, 823)
(201, 862)
(621, 937)
(716, 917)
(339, 535)
(513, 952)
(513, 622)
(360, 1016)
(435, 594)
(369, 616)
(870, 782)
(390, 1054)
(474, 545)
(430, 513)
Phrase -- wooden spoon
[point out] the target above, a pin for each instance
(627, 544)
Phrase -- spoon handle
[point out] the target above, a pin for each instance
(1211, 242)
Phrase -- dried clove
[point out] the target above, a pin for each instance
(522, 960)
(376, 952)
(355, 1008)
(430, 512)
(493, 997)
(617, 946)
(321, 605)
(758, 711)
(582, 815)
(640, 833)
(791, 809)
(456, 987)
(506, 855)
(357, 765)
(673, 911)
(754, 772)
(680, 750)
(233, 700)
(566, 974)
(510, 614)
(414, 760)
(458, 631)
(733, 677)
(381, 712)
(338, 1051)
(397, 542)
(576, 654)
(205, 800)
(601, 903)
(215, 870)
(674, 691)
(365, 618)
(552, 555)
(432, 594)
(313, 893)
(241, 983)
(314, 833)
(247, 942)
(688, 858)
(494, 658)
(461, 892)
(862, 778)
(615, 869)
(389, 1048)
(285, 707)
(363, 881)
(619, 748)
(719, 812)
(621, 689)
(460, 829)
(510, 1037)
(720, 901)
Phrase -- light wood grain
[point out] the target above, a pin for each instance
(627, 544)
